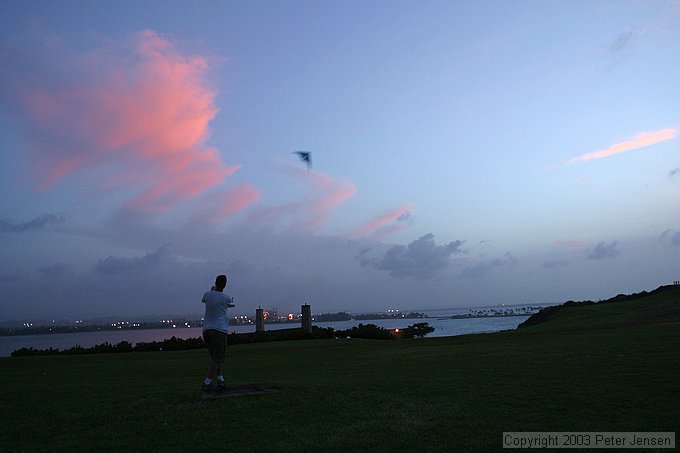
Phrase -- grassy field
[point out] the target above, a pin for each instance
(431, 394)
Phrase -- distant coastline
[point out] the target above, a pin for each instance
(183, 323)
(526, 310)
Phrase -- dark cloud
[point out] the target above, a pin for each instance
(405, 217)
(37, 224)
(421, 259)
(476, 271)
(603, 251)
(622, 42)
(621, 47)
(507, 259)
(669, 235)
(361, 256)
(555, 264)
(121, 265)
(481, 269)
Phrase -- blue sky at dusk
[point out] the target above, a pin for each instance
(463, 153)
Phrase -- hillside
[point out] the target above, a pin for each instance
(661, 306)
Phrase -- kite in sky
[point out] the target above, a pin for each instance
(305, 156)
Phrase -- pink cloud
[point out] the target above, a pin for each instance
(313, 211)
(640, 140)
(235, 201)
(387, 231)
(140, 109)
(326, 195)
(384, 225)
(329, 192)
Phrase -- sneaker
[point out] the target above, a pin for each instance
(208, 387)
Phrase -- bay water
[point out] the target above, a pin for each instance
(444, 326)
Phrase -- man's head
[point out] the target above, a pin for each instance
(220, 282)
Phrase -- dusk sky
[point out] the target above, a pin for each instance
(464, 153)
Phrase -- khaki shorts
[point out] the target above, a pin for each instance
(216, 342)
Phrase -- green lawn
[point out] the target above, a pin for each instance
(431, 394)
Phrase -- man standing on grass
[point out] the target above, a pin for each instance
(215, 328)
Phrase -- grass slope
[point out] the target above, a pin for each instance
(661, 306)
(432, 394)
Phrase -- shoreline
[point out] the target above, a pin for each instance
(59, 330)
(444, 328)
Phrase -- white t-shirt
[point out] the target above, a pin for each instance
(216, 304)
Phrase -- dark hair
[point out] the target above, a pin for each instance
(221, 281)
